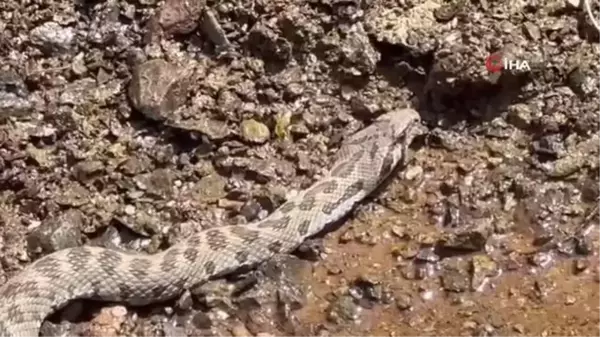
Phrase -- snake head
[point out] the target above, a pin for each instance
(387, 138)
(403, 124)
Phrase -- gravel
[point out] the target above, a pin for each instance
(133, 124)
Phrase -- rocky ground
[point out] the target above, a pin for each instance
(130, 124)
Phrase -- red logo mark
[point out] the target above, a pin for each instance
(494, 63)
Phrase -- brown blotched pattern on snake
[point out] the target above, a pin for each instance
(190, 254)
(216, 240)
(287, 207)
(276, 224)
(308, 203)
(247, 235)
(347, 166)
(170, 260)
(326, 187)
(137, 279)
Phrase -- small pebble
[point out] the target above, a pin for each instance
(119, 311)
(519, 328)
(570, 299)
(255, 132)
(581, 265)
(129, 209)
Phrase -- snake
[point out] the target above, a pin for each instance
(362, 162)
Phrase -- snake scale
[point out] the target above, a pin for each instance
(363, 161)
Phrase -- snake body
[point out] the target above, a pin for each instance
(48, 284)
